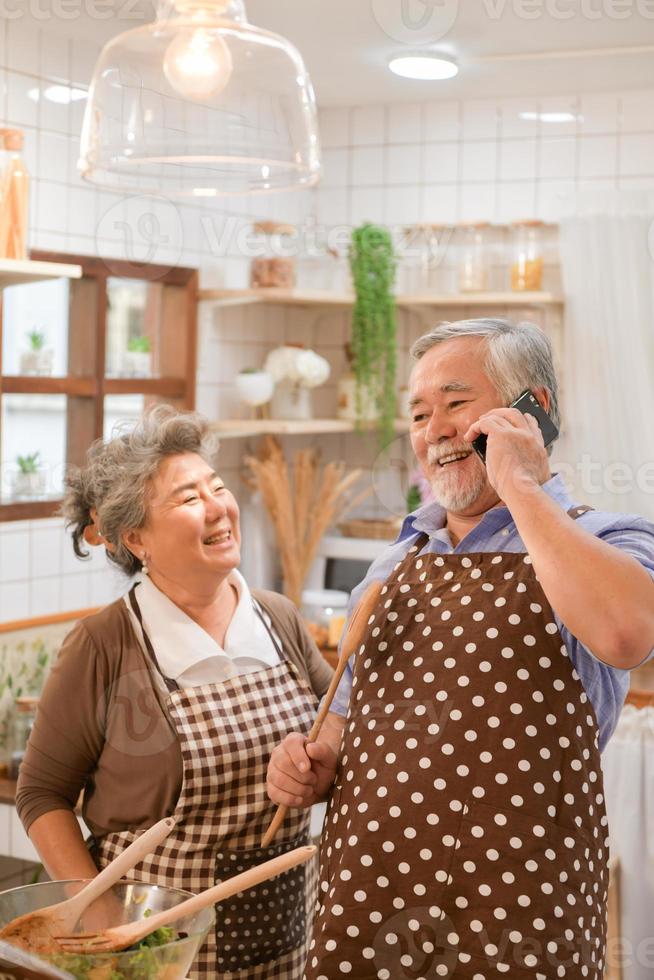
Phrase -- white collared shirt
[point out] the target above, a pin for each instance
(188, 654)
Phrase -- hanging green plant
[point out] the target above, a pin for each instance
(374, 333)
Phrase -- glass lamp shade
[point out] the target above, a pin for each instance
(200, 104)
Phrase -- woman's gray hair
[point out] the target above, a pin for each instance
(116, 479)
(517, 356)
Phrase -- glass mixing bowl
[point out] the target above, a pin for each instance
(125, 902)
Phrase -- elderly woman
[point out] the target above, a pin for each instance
(170, 700)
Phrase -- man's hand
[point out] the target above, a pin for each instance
(300, 775)
(516, 458)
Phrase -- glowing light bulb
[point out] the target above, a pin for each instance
(198, 63)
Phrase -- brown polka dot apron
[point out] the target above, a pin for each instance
(227, 732)
(466, 832)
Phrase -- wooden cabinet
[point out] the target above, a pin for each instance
(123, 337)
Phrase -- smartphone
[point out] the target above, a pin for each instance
(528, 404)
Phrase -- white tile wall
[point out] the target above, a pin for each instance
(441, 161)
(498, 162)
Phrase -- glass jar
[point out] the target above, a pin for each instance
(24, 715)
(325, 611)
(350, 406)
(527, 256)
(321, 267)
(276, 266)
(474, 258)
(421, 252)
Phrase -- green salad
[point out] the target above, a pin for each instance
(139, 962)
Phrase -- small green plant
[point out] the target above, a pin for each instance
(372, 261)
(36, 339)
(29, 463)
(139, 345)
(249, 370)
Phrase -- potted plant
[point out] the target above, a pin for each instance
(38, 358)
(255, 388)
(137, 357)
(29, 478)
(374, 329)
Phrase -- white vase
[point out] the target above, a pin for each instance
(136, 364)
(28, 485)
(37, 361)
(291, 401)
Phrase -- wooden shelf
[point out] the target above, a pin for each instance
(479, 299)
(16, 271)
(318, 298)
(278, 297)
(166, 387)
(237, 429)
(40, 385)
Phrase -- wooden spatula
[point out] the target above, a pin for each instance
(120, 937)
(35, 930)
(351, 641)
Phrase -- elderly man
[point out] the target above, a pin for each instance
(466, 831)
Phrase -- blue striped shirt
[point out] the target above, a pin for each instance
(605, 686)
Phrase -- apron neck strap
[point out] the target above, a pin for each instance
(274, 640)
(171, 684)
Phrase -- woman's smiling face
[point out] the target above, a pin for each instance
(192, 526)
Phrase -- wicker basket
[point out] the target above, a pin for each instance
(370, 528)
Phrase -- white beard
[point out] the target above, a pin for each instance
(451, 491)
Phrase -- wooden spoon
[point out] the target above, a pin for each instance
(35, 930)
(120, 937)
(351, 641)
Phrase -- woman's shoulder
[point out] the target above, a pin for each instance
(108, 629)
(107, 620)
(277, 605)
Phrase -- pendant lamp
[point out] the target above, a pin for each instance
(200, 103)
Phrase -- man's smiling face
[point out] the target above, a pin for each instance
(448, 391)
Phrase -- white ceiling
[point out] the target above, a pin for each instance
(346, 44)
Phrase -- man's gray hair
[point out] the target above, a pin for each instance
(517, 355)
(116, 479)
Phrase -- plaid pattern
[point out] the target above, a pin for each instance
(227, 732)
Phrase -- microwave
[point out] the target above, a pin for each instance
(341, 563)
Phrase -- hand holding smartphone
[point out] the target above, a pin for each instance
(528, 404)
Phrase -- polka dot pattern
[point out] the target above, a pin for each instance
(490, 812)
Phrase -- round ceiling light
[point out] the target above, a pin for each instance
(424, 65)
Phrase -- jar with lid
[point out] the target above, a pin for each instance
(527, 255)
(474, 258)
(275, 267)
(325, 611)
(422, 249)
(24, 715)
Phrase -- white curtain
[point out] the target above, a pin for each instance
(628, 765)
(607, 261)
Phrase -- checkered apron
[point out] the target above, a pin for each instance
(466, 833)
(227, 732)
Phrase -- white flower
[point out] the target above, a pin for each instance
(302, 367)
(313, 370)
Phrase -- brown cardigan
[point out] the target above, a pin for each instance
(101, 726)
